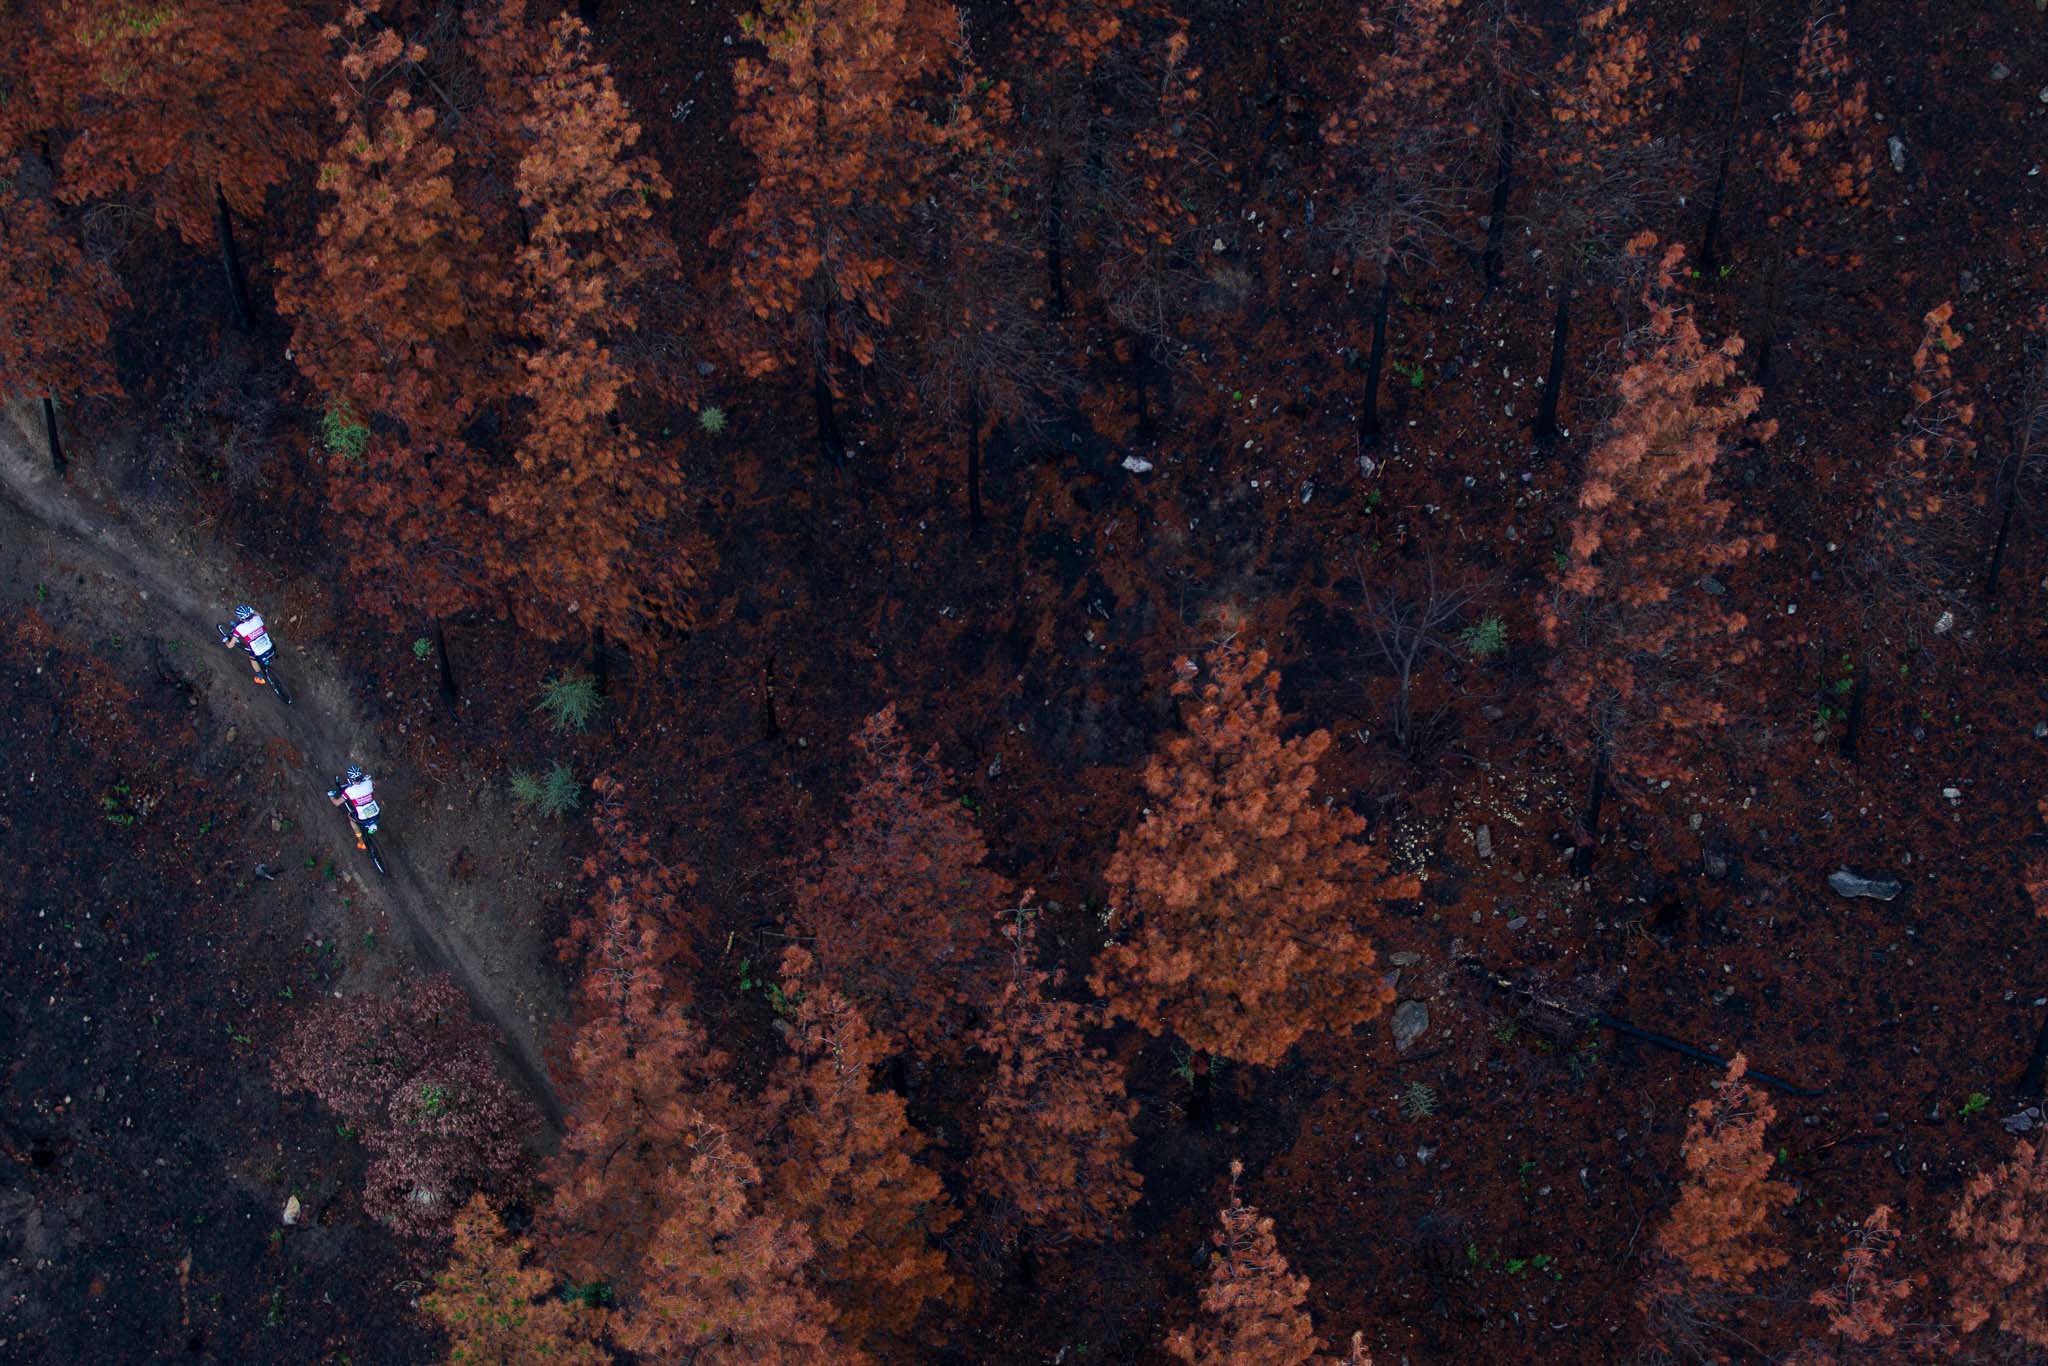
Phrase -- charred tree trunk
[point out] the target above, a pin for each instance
(1988, 592)
(1767, 328)
(2031, 1081)
(1497, 214)
(1553, 379)
(771, 724)
(600, 662)
(1139, 355)
(1375, 363)
(831, 445)
(1709, 259)
(231, 259)
(448, 689)
(1055, 232)
(1582, 856)
(975, 520)
(1853, 730)
(56, 442)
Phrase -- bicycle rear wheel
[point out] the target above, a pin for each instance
(376, 859)
(277, 686)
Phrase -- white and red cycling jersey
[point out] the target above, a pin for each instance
(362, 799)
(252, 634)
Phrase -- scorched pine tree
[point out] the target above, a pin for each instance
(1235, 897)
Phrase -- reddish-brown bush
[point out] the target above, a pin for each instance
(1717, 1232)
(414, 1076)
(1235, 897)
(2002, 1271)
(56, 303)
(898, 901)
(1863, 1305)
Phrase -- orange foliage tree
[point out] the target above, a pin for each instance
(898, 900)
(1600, 166)
(583, 495)
(395, 327)
(841, 150)
(56, 307)
(1052, 1151)
(2002, 1272)
(1862, 1306)
(1254, 1303)
(841, 1160)
(722, 1284)
(1638, 645)
(1233, 897)
(634, 1059)
(1393, 178)
(1818, 159)
(1716, 1232)
(200, 106)
(499, 1311)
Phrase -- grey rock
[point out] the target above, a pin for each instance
(1406, 958)
(1999, 71)
(1846, 883)
(1137, 464)
(2041, 730)
(1518, 922)
(1716, 866)
(1410, 1022)
(1482, 839)
(1898, 151)
(1712, 586)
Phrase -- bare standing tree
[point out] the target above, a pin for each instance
(1406, 627)
(2028, 461)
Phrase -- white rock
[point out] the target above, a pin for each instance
(1944, 623)
(291, 1211)
(1137, 464)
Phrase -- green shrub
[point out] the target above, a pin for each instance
(560, 793)
(1485, 639)
(569, 701)
(344, 432)
(526, 788)
(421, 648)
(712, 420)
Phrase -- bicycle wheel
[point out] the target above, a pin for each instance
(277, 686)
(376, 859)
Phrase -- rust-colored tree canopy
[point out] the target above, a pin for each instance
(1254, 1307)
(1052, 1151)
(844, 1161)
(1235, 894)
(499, 1310)
(1638, 644)
(56, 302)
(180, 102)
(897, 902)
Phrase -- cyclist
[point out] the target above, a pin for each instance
(248, 633)
(353, 792)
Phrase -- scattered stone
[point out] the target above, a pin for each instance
(1716, 866)
(1518, 922)
(1898, 151)
(263, 871)
(2041, 730)
(1846, 883)
(1406, 958)
(1712, 586)
(1954, 794)
(1137, 464)
(1999, 71)
(1944, 623)
(1410, 1022)
(1482, 839)
(291, 1211)
(2023, 1122)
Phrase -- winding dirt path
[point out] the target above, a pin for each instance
(170, 576)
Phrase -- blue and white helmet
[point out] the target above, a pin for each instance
(243, 613)
(355, 774)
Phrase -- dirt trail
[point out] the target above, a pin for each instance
(170, 575)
